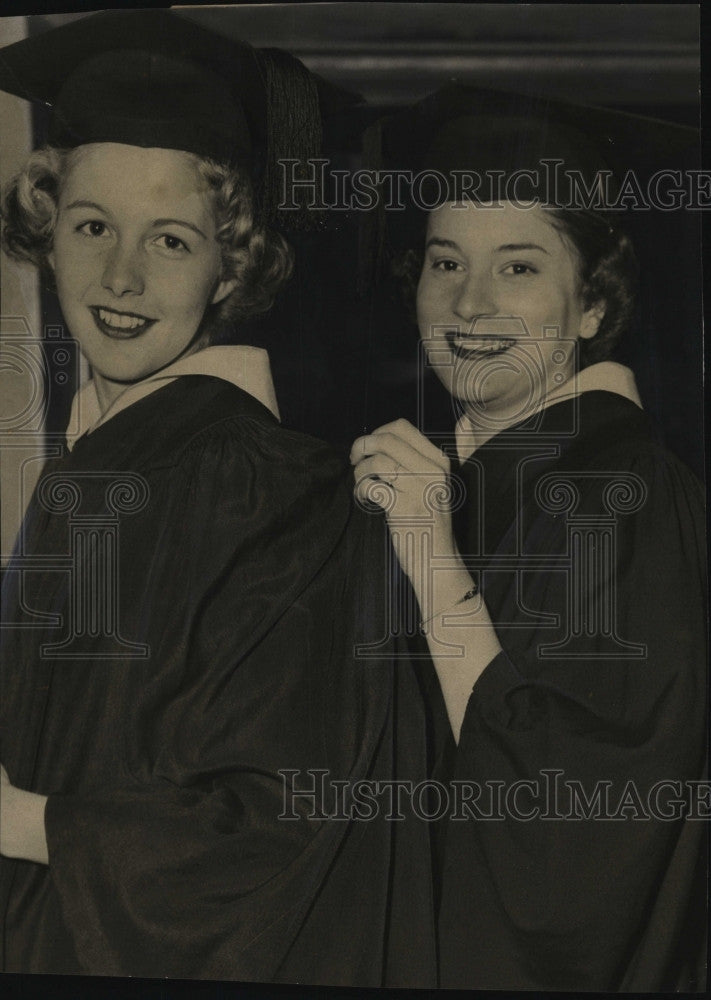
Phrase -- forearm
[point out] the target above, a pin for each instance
(464, 647)
(412, 478)
(22, 832)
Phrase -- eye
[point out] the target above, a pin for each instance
(169, 242)
(447, 265)
(518, 269)
(94, 227)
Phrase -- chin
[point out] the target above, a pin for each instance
(121, 378)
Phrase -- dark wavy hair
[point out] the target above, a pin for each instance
(258, 259)
(607, 272)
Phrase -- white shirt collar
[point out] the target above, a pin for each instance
(609, 376)
(246, 367)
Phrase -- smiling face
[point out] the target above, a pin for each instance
(135, 258)
(499, 308)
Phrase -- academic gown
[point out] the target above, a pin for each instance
(201, 573)
(589, 540)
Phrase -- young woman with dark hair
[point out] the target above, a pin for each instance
(556, 552)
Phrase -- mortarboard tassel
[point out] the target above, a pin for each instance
(293, 132)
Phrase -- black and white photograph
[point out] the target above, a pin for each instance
(353, 541)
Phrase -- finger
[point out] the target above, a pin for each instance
(370, 490)
(358, 451)
(379, 467)
(403, 443)
(412, 436)
(400, 452)
(368, 444)
(416, 439)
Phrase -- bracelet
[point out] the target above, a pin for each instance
(467, 597)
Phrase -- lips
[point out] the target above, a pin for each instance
(465, 346)
(120, 325)
(487, 338)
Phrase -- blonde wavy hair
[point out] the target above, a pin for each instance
(258, 259)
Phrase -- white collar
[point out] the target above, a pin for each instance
(246, 367)
(608, 376)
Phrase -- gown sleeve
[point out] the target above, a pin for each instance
(545, 885)
(190, 859)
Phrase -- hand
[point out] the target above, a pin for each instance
(407, 476)
(402, 472)
(6, 812)
(22, 833)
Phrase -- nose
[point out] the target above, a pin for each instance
(475, 297)
(123, 273)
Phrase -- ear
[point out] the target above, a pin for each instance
(591, 319)
(223, 289)
(50, 259)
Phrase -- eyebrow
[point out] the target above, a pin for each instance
(438, 241)
(515, 247)
(87, 204)
(80, 203)
(179, 222)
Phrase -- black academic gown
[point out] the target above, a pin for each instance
(589, 537)
(158, 700)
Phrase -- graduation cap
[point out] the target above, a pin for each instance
(468, 142)
(154, 79)
(475, 129)
(578, 132)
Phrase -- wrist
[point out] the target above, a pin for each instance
(444, 588)
(444, 579)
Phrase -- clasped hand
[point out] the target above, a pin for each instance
(407, 476)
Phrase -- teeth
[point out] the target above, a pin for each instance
(483, 346)
(120, 321)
